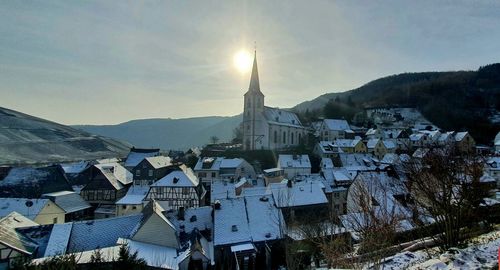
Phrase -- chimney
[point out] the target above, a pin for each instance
(217, 205)
(181, 212)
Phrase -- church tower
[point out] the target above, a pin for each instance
(253, 113)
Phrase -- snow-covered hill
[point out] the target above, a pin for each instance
(26, 139)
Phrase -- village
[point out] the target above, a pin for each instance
(335, 195)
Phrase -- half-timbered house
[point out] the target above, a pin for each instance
(108, 183)
(179, 188)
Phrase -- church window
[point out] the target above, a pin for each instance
(275, 136)
(291, 139)
(300, 138)
(284, 137)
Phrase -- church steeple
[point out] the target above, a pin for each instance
(254, 79)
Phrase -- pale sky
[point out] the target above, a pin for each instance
(106, 62)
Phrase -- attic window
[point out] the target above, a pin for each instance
(264, 199)
(193, 218)
(268, 235)
(234, 228)
(176, 180)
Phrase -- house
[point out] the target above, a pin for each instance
(178, 189)
(378, 148)
(41, 211)
(265, 127)
(222, 190)
(150, 169)
(464, 142)
(332, 129)
(298, 200)
(294, 165)
(376, 196)
(273, 175)
(136, 155)
(74, 206)
(15, 246)
(326, 149)
(108, 183)
(356, 162)
(246, 231)
(351, 145)
(29, 182)
(133, 202)
(208, 169)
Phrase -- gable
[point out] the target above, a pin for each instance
(158, 231)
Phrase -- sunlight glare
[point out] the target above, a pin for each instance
(243, 61)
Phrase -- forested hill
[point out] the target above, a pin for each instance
(459, 100)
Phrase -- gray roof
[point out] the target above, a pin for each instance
(100, 233)
(247, 219)
(9, 205)
(281, 117)
(69, 201)
(336, 124)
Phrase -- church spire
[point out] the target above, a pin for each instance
(254, 79)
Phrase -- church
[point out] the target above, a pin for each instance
(265, 127)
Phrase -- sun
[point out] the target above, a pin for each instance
(243, 61)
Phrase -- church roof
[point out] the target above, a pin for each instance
(281, 117)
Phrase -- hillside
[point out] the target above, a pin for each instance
(178, 134)
(460, 100)
(26, 139)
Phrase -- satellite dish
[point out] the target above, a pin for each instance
(29, 203)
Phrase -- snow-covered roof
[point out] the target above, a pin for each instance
(59, 239)
(294, 161)
(281, 117)
(182, 178)
(389, 144)
(137, 155)
(9, 237)
(159, 161)
(336, 124)
(199, 218)
(69, 201)
(417, 136)
(347, 142)
(222, 190)
(115, 172)
(459, 136)
(231, 162)
(100, 233)
(358, 161)
(208, 163)
(371, 143)
(326, 163)
(135, 195)
(300, 194)
(9, 205)
(390, 158)
(328, 147)
(247, 219)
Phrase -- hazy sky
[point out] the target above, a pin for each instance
(104, 62)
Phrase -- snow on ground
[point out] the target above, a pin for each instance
(480, 254)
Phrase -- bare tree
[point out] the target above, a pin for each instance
(446, 185)
(374, 214)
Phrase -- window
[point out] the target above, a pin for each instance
(213, 174)
(124, 207)
(336, 194)
(150, 173)
(284, 137)
(291, 139)
(202, 174)
(54, 220)
(275, 136)
(185, 191)
(137, 172)
(134, 207)
(300, 139)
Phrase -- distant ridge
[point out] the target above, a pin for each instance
(167, 133)
(25, 139)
